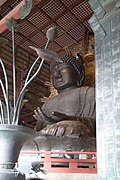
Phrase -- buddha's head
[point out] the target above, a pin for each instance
(67, 74)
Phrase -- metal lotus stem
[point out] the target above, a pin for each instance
(21, 95)
(14, 67)
(6, 101)
(1, 114)
(5, 93)
(5, 75)
(17, 103)
(27, 81)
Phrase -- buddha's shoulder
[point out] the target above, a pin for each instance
(81, 90)
(87, 89)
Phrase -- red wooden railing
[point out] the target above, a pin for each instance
(66, 165)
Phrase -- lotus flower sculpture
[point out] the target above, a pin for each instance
(51, 34)
(12, 135)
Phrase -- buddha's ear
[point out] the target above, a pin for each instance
(81, 80)
(78, 83)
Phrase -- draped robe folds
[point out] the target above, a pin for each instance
(79, 102)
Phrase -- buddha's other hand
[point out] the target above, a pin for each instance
(38, 115)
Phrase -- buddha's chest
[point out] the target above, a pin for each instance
(66, 103)
(79, 103)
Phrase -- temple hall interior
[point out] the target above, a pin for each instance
(59, 89)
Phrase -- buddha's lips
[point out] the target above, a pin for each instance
(59, 80)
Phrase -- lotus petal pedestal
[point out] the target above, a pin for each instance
(12, 139)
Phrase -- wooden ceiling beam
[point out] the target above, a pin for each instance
(71, 7)
(52, 21)
(2, 2)
(13, 13)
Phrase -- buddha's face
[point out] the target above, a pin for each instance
(64, 76)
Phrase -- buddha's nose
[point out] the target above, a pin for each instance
(57, 74)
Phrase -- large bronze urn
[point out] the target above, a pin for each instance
(12, 139)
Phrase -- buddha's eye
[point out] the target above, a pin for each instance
(63, 70)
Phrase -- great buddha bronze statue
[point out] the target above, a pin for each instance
(74, 102)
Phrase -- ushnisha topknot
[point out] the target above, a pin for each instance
(75, 63)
